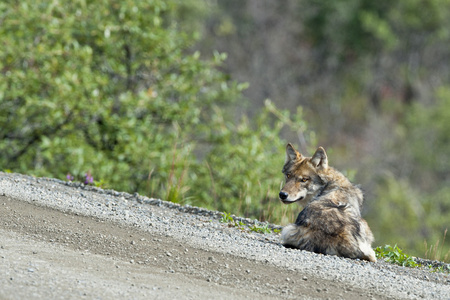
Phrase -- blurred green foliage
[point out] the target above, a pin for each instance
(418, 203)
(364, 27)
(101, 86)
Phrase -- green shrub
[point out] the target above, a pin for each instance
(111, 89)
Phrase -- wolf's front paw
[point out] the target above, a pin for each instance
(368, 253)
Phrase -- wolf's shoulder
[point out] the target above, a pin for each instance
(337, 192)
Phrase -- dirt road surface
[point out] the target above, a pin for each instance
(63, 240)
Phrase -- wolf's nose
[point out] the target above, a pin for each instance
(283, 195)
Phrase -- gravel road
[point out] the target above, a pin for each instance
(67, 240)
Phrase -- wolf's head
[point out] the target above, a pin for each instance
(304, 175)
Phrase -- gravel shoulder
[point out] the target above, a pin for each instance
(67, 240)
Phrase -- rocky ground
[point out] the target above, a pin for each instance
(67, 240)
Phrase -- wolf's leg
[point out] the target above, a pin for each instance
(358, 245)
(291, 236)
(365, 244)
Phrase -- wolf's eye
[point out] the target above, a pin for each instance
(288, 176)
(304, 179)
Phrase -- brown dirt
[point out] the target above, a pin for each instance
(46, 253)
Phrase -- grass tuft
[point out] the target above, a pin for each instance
(434, 252)
(227, 218)
(258, 228)
(261, 228)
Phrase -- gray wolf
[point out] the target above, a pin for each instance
(330, 222)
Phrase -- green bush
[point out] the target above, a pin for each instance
(105, 87)
(112, 89)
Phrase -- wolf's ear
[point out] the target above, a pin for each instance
(291, 153)
(320, 159)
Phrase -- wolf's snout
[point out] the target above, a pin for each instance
(283, 195)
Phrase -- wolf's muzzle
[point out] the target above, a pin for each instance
(284, 198)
